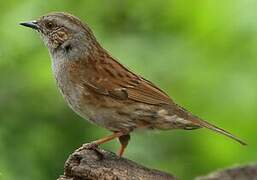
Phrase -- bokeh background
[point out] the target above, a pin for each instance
(201, 52)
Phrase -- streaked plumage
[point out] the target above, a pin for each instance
(102, 90)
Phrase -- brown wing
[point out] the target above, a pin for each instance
(147, 92)
(113, 79)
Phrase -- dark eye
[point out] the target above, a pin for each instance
(49, 25)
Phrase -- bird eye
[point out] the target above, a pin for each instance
(49, 25)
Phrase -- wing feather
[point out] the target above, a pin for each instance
(115, 77)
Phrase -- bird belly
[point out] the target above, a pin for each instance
(98, 109)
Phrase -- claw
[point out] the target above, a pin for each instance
(91, 145)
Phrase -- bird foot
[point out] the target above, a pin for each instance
(91, 146)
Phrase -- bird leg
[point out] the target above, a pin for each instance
(94, 144)
(124, 140)
(107, 138)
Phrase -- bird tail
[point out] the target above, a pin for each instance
(216, 129)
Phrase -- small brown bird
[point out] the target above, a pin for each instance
(100, 89)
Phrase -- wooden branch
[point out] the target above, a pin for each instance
(246, 172)
(99, 164)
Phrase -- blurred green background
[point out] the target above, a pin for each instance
(201, 52)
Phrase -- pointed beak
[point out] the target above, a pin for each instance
(31, 24)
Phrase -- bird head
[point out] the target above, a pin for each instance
(62, 32)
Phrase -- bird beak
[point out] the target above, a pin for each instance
(31, 24)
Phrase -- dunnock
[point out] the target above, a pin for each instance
(100, 89)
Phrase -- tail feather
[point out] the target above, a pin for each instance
(216, 129)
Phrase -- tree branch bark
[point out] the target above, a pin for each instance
(245, 172)
(99, 164)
